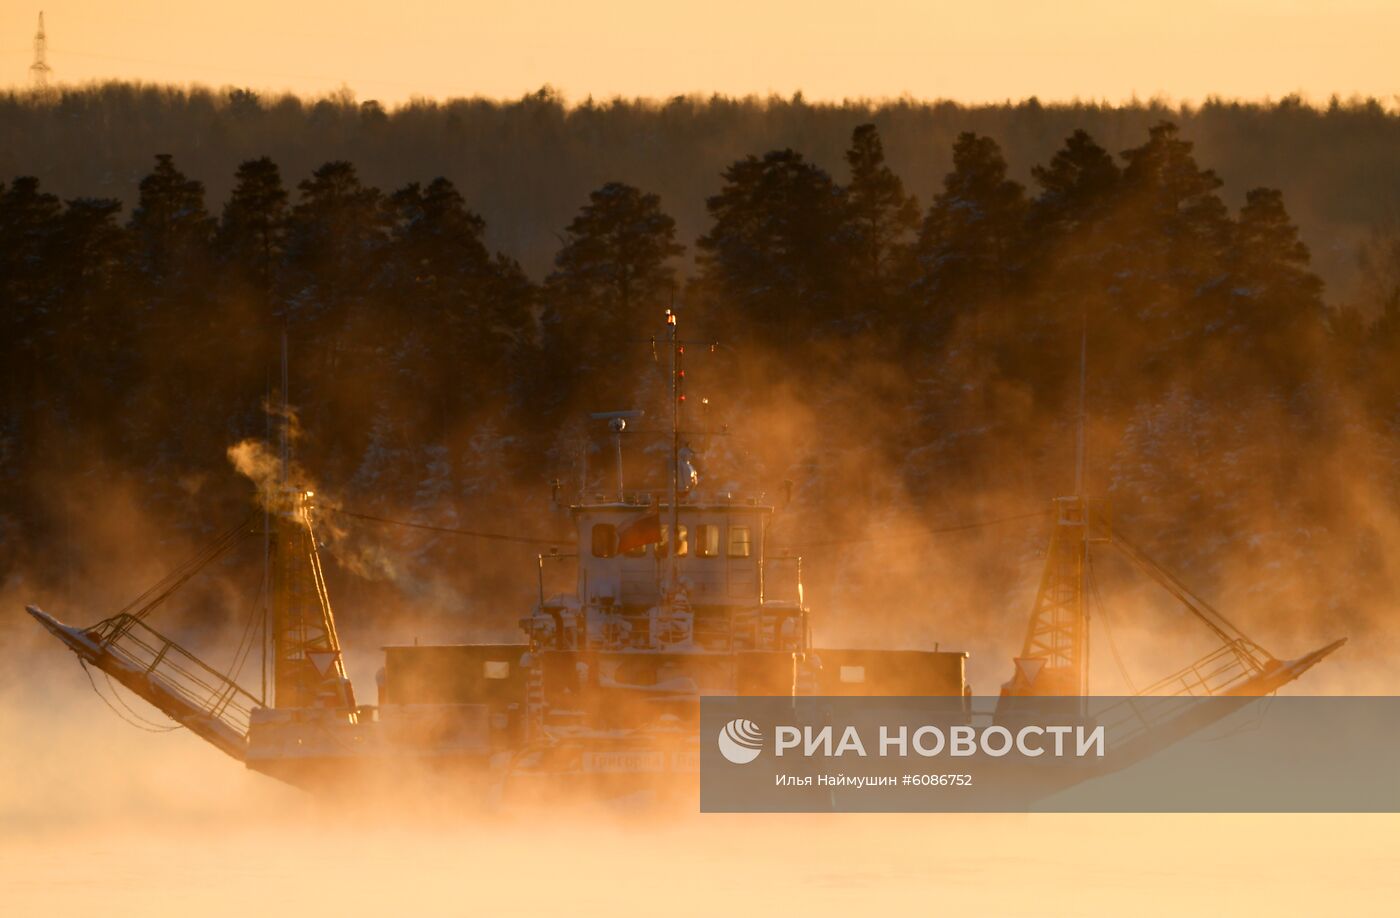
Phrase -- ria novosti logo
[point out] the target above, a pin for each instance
(740, 741)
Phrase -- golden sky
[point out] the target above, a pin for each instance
(976, 50)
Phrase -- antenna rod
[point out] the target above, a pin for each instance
(617, 423)
(1079, 436)
(273, 583)
(1083, 548)
(264, 648)
(677, 397)
(285, 410)
(621, 485)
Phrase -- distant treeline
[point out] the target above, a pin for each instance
(525, 164)
(890, 354)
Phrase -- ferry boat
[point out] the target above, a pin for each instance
(678, 597)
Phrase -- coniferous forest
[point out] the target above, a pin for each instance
(886, 306)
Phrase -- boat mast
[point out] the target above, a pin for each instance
(1079, 459)
(1054, 657)
(677, 398)
(308, 669)
(1083, 375)
(286, 408)
(271, 607)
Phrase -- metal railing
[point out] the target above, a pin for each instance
(1212, 675)
(180, 673)
(780, 578)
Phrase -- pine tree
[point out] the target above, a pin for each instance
(28, 221)
(882, 216)
(1070, 256)
(93, 325)
(1271, 303)
(462, 310)
(1171, 238)
(1164, 176)
(616, 261)
(778, 247)
(1172, 213)
(170, 227)
(252, 230)
(436, 237)
(28, 224)
(1078, 187)
(91, 248)
(332, 306)
(1270, 258)
(611, 279)
(336, 240)
(969, 247)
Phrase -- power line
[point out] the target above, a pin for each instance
(177, 578)
(920, 533)
(139, 722)
(203, 64)
(155, 727)
(530, 540)
(449, 530)
(1108, 625)
(256, 611)
(245, 72)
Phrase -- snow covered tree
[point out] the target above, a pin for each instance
(969, 247)
(1172, 222)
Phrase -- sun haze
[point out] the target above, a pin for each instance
(973, 52)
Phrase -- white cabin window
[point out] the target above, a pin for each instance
(682, 542)
(853, 674)
(707, 541)
(740, 542)
(496, 669)
(604, 540)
